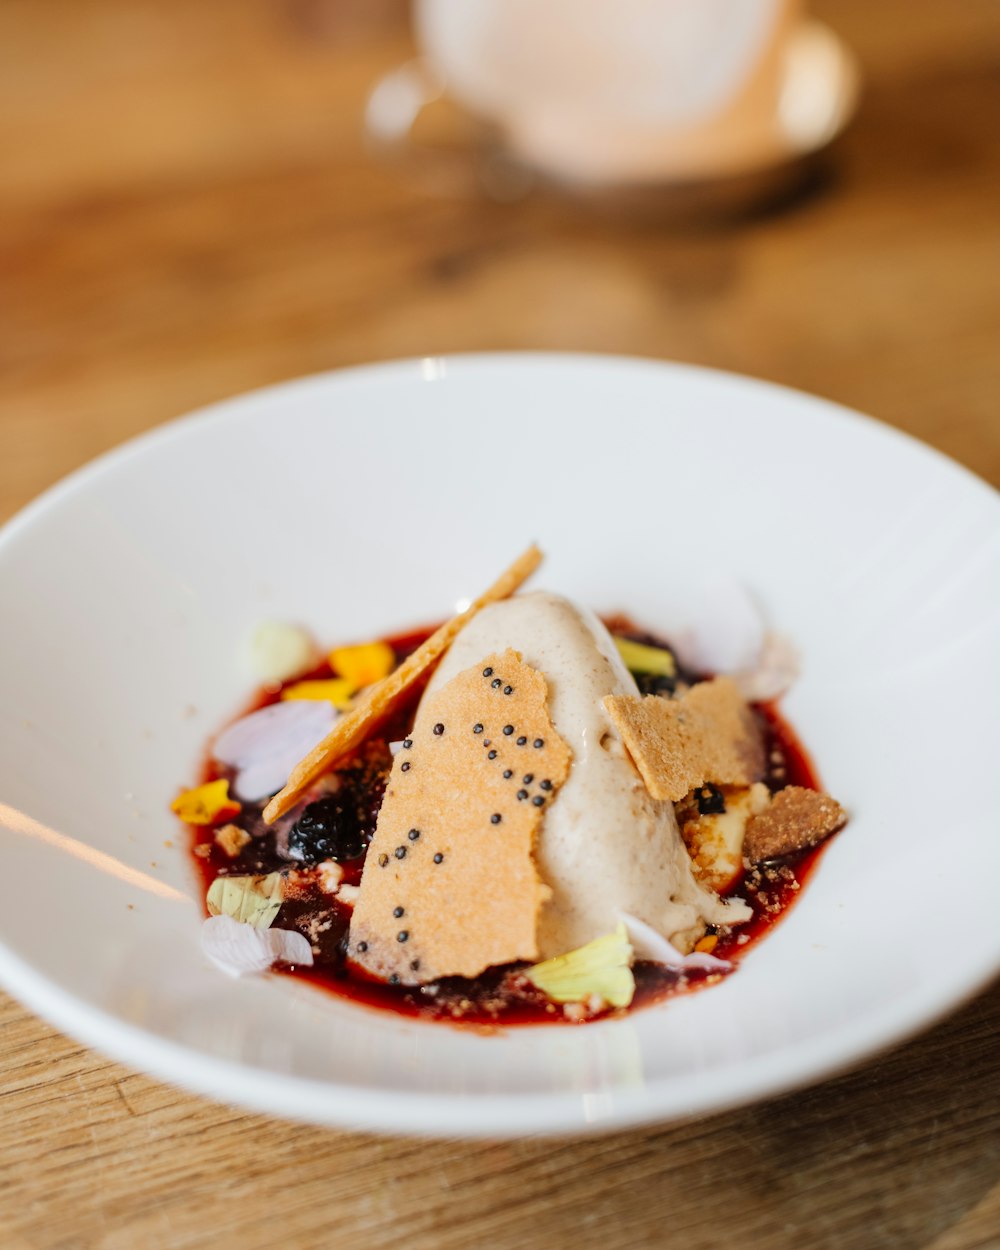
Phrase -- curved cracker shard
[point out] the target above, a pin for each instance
(708, 735)
(450, 886)
(379, 700)
(796, 820)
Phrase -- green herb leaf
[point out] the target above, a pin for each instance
(251, 900)
(639, 658)
(602, 967)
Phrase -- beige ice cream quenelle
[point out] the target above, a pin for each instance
(606, 848)
(598, 846)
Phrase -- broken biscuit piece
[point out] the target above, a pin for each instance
(796, 820)
(450, 886)
(707, 735)
(232, 839)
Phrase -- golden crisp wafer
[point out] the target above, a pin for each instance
(708, 735)
(380, 699)
(450, 885)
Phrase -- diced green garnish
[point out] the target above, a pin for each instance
(251, 900)
(601, 968)
(640, 658)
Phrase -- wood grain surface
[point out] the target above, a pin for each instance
(188, 211)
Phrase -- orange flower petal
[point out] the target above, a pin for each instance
(364, 664)
(206, 805)
(335, 690)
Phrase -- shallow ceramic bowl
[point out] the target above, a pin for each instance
(369, 500)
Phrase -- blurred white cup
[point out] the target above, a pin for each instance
(640, 92)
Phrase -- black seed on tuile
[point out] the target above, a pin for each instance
(521, 741)
(402, 936)
(439, 729)
(397, 912)
(362, 947)
(508, 730)
(405, 767)
(487, 672)
(477, 728)
(495, 818)
(401, 852)
(546, 784)
(522, 794)
(393, 978)
(438, 858)
(711, 801)
(383, 859)
(487, 742)
(508, 689)
(528, 778)
(327, 829)
(407, 743)
(539, 743)
(507, 774)
(414, 964)
(496, 683)
(538, 800)
(413, 835)
(491, 755)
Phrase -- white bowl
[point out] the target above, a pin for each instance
(376, 498)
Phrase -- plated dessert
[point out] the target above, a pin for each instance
(527, 814)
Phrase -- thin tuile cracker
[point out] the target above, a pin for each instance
(708, 735)
(380, 698)
(450, 885)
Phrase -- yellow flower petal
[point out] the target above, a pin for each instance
(639, 658)
(602, 967)
(206, 805)
(335, 690)
(364, 664)
(707, 944)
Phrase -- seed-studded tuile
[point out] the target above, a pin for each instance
(708, 735)
(450, 886)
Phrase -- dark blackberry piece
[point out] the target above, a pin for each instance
(327, 829)
(650, 683)
(711, 801)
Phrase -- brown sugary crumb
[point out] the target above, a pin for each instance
(708, 735)
(232, 839)
(796, 820)
(203, 850)
(450, 886)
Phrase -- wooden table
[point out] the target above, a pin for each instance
(188, 212)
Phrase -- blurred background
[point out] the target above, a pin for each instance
(190, 209)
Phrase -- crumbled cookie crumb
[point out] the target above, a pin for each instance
(796, 820)
(232, 839)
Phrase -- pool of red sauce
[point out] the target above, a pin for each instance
(474, 1001)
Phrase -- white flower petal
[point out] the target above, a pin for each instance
(238, 949)
(266, 745)
(776, 670)
(723, 629)
(241, 950)
(650, 944)
(289, 947)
